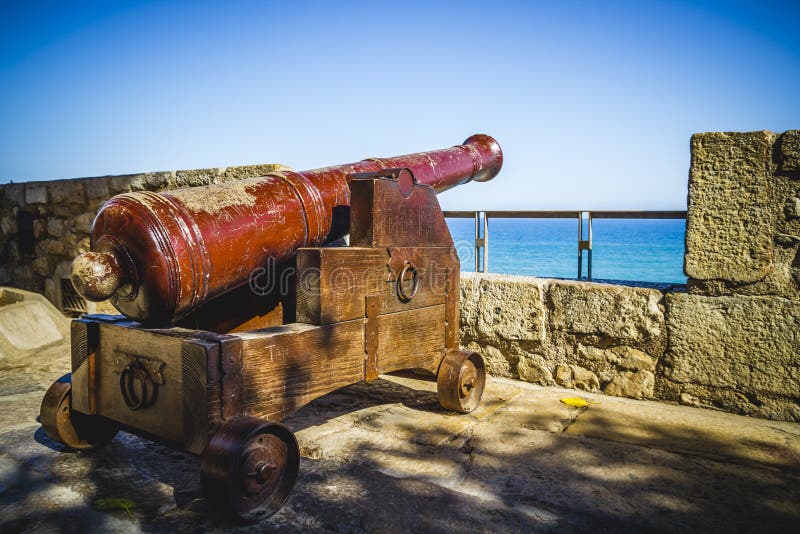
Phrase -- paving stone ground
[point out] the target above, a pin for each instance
(383, 457)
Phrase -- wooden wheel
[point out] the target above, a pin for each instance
(249, 467)
(461, 379)
(75, 430)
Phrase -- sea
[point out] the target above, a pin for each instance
(645, 250)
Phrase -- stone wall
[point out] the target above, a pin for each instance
(731, 342)
(734, 338)
(62, 211)
(590, 336)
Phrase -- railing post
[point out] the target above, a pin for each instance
(478, 242)
(589, 262)
(580, 237)
(585, 244)
(486, 241)
(481, 242)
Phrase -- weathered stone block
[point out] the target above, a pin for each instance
(511, 308)
(8, 226)
(82, 223)
(192, 178)
(573, 376)
(248, 171)
(625, 314)
(533, 368)
(50, 246)
(149, 181)
(468, 313)
(55, 226)
(41, 266)
(750, 344)
(634, 360)
(584, 379)
(563, 375)
(730, 221)
(120, 184)
(635, 385)
(621, 356)
(157, 181)
(39, 228)
(792, 208)
(97, 187)
(497, 364)
(64, 192)
(15, 193)
(790, 151)
(35, 193)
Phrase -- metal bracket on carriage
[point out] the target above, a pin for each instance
(139, 378)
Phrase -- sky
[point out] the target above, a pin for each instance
(593, 103)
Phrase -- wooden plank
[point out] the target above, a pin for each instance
(452, 312)
(333, 282)
(195, 354)
(380, 216)
(231, 350)
(214, 389)
(309, 277)
(371, 337)
(411, 339)
(117, 344)
(84, 342)
(284, 368)
(187, 407)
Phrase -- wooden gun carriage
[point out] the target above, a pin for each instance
(388, 301)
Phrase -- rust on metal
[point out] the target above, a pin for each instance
(250, 467)
(461, 380)
(218, 382)
(159, 256)
(74, 429)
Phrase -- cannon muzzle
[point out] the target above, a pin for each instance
(159, 256)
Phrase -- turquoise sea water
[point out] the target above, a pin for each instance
(643, 250)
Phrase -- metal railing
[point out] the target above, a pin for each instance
(584, 238)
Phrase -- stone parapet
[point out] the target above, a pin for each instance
(590, 336)
(734, 353)
(60, 214)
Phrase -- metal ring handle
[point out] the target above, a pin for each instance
(132, 375)
(401, 292)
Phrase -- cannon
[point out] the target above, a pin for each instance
(240, 303)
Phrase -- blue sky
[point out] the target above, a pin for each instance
(592, 102)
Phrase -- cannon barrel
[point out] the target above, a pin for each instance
(159, 256)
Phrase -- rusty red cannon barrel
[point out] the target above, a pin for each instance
(159, 256)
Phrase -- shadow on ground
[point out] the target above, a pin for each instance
(386, 458)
